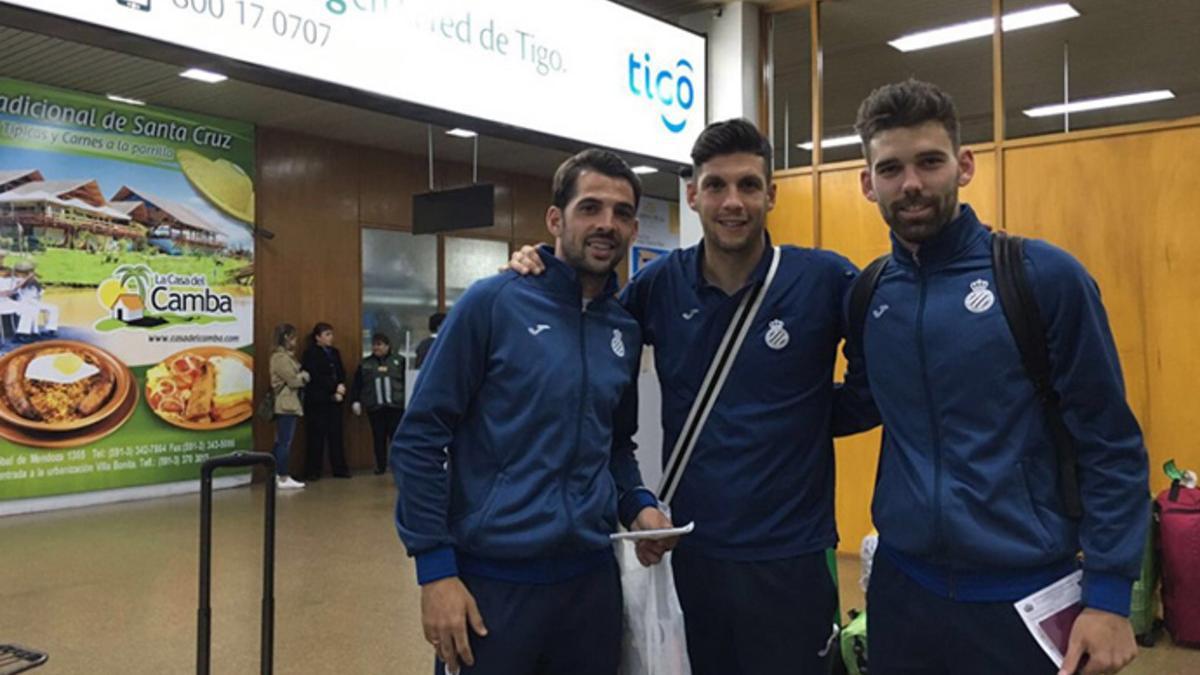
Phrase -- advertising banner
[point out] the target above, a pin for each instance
(585, 70)
(126, 292)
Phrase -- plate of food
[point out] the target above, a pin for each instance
(202, 388)
(61, 385)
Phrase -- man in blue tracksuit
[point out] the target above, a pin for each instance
(753, 580)
(510, 473)
(967, 504)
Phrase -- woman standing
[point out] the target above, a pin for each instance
(323, 404)
(287, 382)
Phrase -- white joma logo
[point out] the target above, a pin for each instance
(538, 329)
(879, 312)
(687, 316)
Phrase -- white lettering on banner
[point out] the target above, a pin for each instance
(596, 72)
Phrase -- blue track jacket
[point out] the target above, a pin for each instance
(760, 482)
(967, 501)
(505, 460)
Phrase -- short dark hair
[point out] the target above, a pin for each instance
(435, 321)
(283, 333)
(321, 327)
(730, 137)
(380, 338)
(593, 159)
(910, 103)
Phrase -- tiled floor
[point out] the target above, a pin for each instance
(113, 589)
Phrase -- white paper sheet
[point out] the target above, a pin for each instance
(653, 534)
(1050, 613)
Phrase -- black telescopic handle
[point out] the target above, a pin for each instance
(204, 618)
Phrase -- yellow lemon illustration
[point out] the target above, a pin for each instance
(222, 182)
(108, 291)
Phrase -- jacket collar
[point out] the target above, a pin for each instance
(952, 242)
(562, 279)
(757, 275)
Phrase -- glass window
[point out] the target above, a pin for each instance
(791, 87)
(855, 36)
(468, 260)
(399, 272)
(1112, 48)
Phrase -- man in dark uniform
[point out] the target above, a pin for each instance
(379, 387)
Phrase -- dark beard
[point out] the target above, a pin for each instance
(944, 208)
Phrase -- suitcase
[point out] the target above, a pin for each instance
(204, 618)
(1178, 515)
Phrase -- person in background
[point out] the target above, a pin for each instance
(287, 382)
(378, 386)
(435, 324)
(323, 404)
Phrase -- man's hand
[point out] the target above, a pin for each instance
(525, 262)
(446, 608)
(1101, 644)
(651, 551)
(341, 389)
(356, 407)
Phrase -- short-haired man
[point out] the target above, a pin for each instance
(968, 503)
(753, 580)
(510, 523)
(435, 324)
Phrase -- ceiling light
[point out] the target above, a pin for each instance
(642, 170)
(462, 133)
(983, 27)
(835, 142)
(1098, 103)
(122, 99)
(203, 75)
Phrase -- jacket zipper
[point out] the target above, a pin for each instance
(583, 388)
(933, 426)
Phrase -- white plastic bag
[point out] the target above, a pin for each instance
(654, 642)
(869, 544)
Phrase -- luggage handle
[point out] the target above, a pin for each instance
(204, 613)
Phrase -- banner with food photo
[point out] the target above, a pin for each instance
(126, 292)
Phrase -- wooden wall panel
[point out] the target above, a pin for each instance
(791, 222)
(1125, 207)
(308, 195)
(853, 227)
(316, 195)
(387, 183)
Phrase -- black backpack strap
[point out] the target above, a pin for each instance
(860, 300)
(1025, 323)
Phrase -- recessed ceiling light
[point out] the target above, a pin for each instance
(1098, 103)
(835, 142)
(983, 27)
(203, 75)
(462, 133)
(642, 170)
(123, 99)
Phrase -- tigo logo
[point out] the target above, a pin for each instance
(671, 89)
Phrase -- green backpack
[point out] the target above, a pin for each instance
(854, 643)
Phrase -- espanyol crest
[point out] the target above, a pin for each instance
(980, 299)
(777, 337)
(618, 345)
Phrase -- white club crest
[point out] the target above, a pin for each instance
(777, 337)
(618, 345)
(980, 299)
